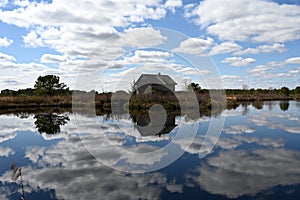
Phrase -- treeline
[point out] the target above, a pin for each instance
(284, 93)
(48, 85)
(48, 91)
(33, 92)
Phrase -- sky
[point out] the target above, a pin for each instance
(105, 45)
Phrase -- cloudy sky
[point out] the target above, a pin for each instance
(252, 42)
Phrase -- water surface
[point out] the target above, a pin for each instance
(256, 157)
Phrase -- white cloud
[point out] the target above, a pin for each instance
(7, 136)
(78, 31)
(141, 37)
(63, 166)
(172, 4)
(22, 3)
(5, 57)
(260, 69)
(232, 81)
(6, 151)
(32, 40)
(241, 20)
(239, 129)
(4, 42)
(272, 48)
(193, 71)
(143, 57)
(293, 129)
(196, 46)
(143, 12)
(188, 10)
(295, 60)
(276, 47)
(3, 3)
(225, 47)
(23, 75)
(237, 172)
(51, 58)
(267, 142)
(239, 61)
(247, 51)
(106, 14)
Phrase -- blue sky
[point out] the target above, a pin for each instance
(104, 45)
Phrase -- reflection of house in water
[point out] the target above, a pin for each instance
(155, 82)
(157, 126)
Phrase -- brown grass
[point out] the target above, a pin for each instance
(35, 101)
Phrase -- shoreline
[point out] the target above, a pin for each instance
(36, 102)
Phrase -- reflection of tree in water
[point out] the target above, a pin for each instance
(50, 123)
(284, 105)
(270, 104)
(258, 105)
(246, 109)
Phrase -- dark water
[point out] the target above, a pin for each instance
(256, 157)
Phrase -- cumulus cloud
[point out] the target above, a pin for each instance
(237, 172)
(225, 47)
(259, 69)
(239, 129)
(276, 47)
(70, 12)
(145, 57)
(5, 57)
(292, 129)
(269, 120)
(229, 143)
(78, 31)
(196, 46)
(173, 4)
(32, 40)
(7, 136)
(272, 48)
(23, 74)
(61, 167)
(51, 58)
(141, 37)
(4, 42)
(294, 60)
(258, 20)
(267, 142)
(239, 61)
(3, 3)
(193, 71)
(6, 151)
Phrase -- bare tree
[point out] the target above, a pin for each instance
(133, 87)
(245, 87)
(186, 83)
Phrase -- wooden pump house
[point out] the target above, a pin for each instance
(155, 82)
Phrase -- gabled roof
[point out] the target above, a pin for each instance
(155, 79)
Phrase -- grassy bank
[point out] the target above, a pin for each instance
(35, 101)
(170, 102)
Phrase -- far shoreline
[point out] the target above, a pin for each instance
(103, 101)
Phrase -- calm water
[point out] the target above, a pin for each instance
(256, 157)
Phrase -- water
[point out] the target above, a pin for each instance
(256, 157)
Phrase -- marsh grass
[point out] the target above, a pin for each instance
(35, 101)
